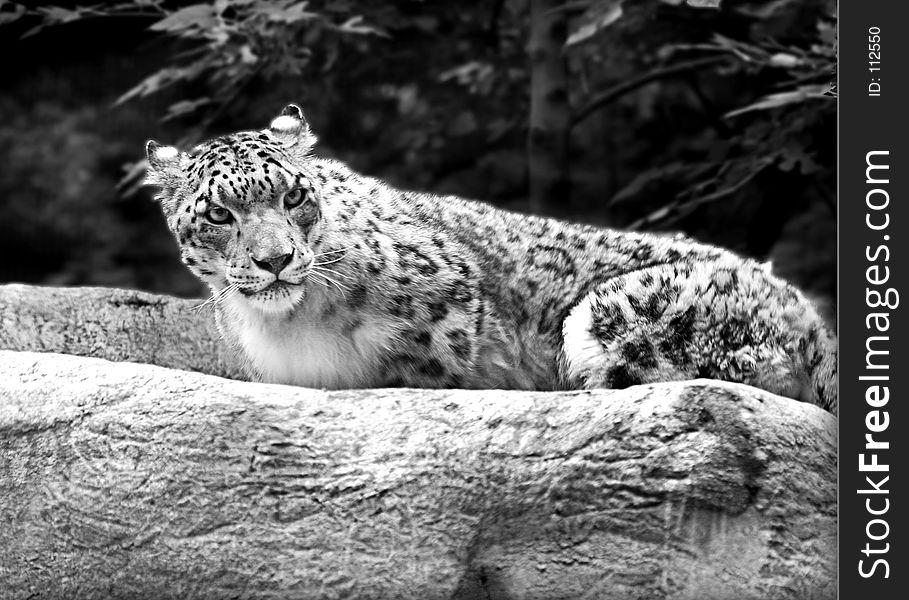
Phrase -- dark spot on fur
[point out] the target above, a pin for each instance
(396, 381)
(639, 352)
(459, 292)
(645, 308)
(578, 243)
(432, 368)
(459, 343)
(411, 257)
(813, 336)
(427, 268)
(357, 295)
(652, 306)
(481, 320)
(608, 322)
(437, 311)
(678, 334)
(550, 319)
(738, 332)
(642, 253)
(620, 377)
(532, 287)
(401, 306)
(462, 268)
(551, 258)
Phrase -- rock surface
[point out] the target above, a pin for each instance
(122, 480)
(119, 325)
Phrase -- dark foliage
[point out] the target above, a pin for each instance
(718, 122)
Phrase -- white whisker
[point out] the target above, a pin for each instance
(341, 288)
(229, 291)
(338, 273)
(322, 283)
(216, 296)
(339, 250)
(328, 262)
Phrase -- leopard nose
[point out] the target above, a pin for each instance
(273, 264)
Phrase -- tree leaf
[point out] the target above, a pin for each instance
(287, 14)
(703, 3)
(800, 94)
(197, 15)
(785, 60)
(222, 5)
(9, 16)
(160, 80)
(694, 3)
(599, 16)
(57, 15)
(184, 107)
(353, 25)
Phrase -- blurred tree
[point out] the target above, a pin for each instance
(550, 116)
(227, 45)
(720, 122)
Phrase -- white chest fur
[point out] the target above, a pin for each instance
(298, 349)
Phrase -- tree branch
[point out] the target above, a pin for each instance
(617, 91)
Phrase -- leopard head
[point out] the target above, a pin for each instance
(245, 209)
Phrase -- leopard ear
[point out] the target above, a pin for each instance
(163, 163)
(292, 126)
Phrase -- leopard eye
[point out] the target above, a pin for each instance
(218, 215)
(295, 197)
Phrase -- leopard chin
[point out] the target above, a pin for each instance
(279, 298)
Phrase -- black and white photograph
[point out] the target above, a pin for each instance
(413, 299)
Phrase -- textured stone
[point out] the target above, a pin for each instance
(119, 325)
(121, 480)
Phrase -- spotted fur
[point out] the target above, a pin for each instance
(362, 285)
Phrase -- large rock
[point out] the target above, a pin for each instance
(120, 325)
(122, 480)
